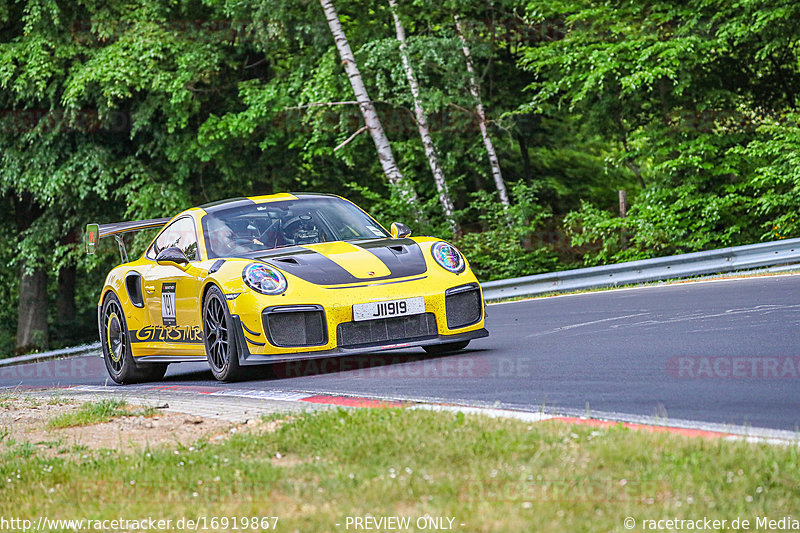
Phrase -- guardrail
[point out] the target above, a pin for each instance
(752, 256)
(85, 349)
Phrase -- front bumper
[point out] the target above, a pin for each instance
(247, 358)
(334, 330)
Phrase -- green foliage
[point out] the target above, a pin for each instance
(773, 189)
(499, 250)
(663, 221)
(698, 101)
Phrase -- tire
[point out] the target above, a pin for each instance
(220, 343)
(117, 347)
(445, 348)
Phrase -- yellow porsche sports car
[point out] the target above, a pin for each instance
(274, 278)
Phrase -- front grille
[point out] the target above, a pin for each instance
(295, 326)
(398, 329)
(463, 306)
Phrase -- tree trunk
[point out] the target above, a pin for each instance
(476, 94)
(628, 160)
(65, 306)
(371, 119)
(32, 318)
(422, 125)
(32, 310)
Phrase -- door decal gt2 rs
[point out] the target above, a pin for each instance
(168, 304)
(182, 334)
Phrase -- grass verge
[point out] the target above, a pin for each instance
(96, 413)
(316, 470)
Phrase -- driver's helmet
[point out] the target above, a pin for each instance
(220, 236)
(306, 236)
(305, 232)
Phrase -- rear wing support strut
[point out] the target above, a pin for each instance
(123, 252)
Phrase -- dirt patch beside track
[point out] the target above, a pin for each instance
(25, 420)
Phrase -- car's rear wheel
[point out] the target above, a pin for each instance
(445, 348)
(218, 337)
(117, 347)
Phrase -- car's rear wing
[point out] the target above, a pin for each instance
(95, 232)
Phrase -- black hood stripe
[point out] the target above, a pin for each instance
(378, 283)
(403, 258)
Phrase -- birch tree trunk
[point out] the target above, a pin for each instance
(476, 94)
(371, 119)
(422, 125)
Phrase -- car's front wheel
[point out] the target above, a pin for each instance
(445, 348)
(117, 347)
(218, 337)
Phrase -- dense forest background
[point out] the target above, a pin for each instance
(119, 110)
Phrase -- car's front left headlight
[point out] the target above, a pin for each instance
(264, 279)
(448, 257)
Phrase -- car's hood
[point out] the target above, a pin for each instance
(339, 263)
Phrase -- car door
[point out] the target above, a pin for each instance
(171, 293)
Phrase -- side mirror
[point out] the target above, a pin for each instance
(400, 230)
(172, 256)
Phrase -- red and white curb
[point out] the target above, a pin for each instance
(603, 420)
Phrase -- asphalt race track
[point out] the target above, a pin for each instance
(719, 352)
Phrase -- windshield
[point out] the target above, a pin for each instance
(257, 227)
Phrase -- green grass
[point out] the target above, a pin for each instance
(96, 413)
(32, 401)
(489, 474)
(58, 399)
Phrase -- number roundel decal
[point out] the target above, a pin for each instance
(168, 304)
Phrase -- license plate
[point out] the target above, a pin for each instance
(376, 310)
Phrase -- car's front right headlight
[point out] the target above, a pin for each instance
(264, 279)
(448, 257)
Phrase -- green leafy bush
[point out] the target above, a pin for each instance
(500, 250)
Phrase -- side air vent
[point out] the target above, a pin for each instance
(399, 249)
(290, 260)
(216, 266)
(133, 284)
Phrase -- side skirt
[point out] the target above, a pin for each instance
(170, 359)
